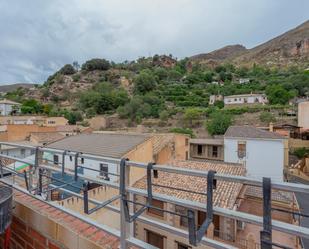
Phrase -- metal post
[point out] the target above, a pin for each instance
(62, 165)
(86, 203)
(40, 181)
(76, 166)
(266, 233)
(26, 180)
(191, 226)
(124, 225)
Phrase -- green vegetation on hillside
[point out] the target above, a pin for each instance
(162, 87)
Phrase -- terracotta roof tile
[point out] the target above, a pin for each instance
(225, 194)
(82, 228)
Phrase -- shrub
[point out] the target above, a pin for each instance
(76, 77)
(96, 64)
(301, 152)
(192, 115)
(144, 82)
(164, 115)
(67, 69)
(267, 117)
(218, 123)
(187, 131)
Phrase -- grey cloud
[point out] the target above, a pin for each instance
(38, 37)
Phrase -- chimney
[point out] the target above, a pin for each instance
(271, 126)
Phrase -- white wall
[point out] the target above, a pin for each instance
(264, 158)
(18, 152)
(93, 164)
(241, 100)
(6, 109)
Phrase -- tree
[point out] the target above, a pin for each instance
(278, 95)
(73, 117)
(191, 115)
(144, 82)
(31, 106)
(67, 69)
(96, 64)
(219, 104)
(218, 123)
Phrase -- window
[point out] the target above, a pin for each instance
(199, 149)
(56, 159)
(187, 141)
(71, 158)
(241, 150)
(155, 239)
(157, 204)
(82, 160)
(182, 246)
(23, 152)
(104, 171)
(214, 151)
(183, 211)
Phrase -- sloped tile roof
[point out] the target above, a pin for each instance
(250, 132)
(92, 233)
(102, 144)
(160, 141)
(225, 194)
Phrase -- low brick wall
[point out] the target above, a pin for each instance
(25, 237)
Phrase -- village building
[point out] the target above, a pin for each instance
(246, 99)
(244, 80)
(207, 148)
(8, 107)
(303, 115)
(244, 144)
(33, 120)
(229, 195)
(214, 98)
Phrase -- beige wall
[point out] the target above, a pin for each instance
(56, 121)
(21, 132)
(303, 115)
(181, 147)
(297, 143)
(142, 153)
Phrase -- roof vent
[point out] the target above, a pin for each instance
(5, 208)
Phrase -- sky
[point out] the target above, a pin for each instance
(37, 37)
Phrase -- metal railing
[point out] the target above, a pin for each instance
(126, 192)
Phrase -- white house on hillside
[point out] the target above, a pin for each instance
(7, 107)
(257, 98)
(262, 152)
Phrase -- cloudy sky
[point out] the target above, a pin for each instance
(39, 36)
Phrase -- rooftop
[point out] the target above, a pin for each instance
(9, 102)
(250, 132)
(212, 141)
(46, 137)
(103, 144)
(88, 231)
(225, 194)
(245, 95)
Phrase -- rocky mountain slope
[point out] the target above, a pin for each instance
(13, 87)
(290, 48)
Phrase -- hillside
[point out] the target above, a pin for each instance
(163, 93)
(13, 87)
(220, 55)
(290, 48)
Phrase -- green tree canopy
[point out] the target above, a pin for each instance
(96, 64)
(218, 123)
(144, 82)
